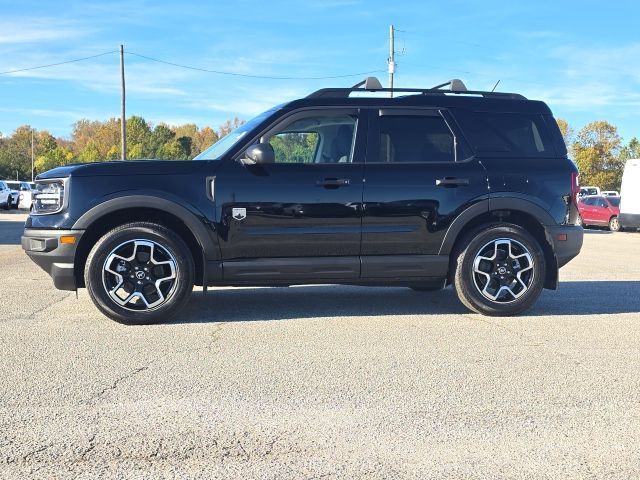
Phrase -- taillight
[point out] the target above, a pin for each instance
(575, 187)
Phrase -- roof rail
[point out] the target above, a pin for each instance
(372, 84)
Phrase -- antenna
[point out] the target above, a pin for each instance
(494, 87)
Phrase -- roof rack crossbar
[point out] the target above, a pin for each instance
(371, 84)
(346, 92)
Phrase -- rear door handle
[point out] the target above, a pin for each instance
(334, 182)
(452, 182)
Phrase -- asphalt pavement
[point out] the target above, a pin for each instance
(325, 381)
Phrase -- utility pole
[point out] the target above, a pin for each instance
(32, 155)
(392, 63)
(123, 121)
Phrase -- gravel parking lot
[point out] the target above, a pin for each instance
(325, 381)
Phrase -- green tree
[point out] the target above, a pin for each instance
(53, 158)
(138, 131)
(596, 151)
(90, 153)
(630, 150)
(156, 140)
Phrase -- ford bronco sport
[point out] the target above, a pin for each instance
(433, 187)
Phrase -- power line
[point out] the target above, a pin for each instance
(58, 63)
(266, 77)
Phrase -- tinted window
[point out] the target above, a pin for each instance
(415, 139)
(588, 201)
(615, 201)
(601, 202)
(507, 133)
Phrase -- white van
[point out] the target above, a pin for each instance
(630, 195)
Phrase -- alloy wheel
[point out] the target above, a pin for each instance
(503, 270)
(140, 275)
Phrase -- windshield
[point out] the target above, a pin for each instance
(615, 201)
(222, 146)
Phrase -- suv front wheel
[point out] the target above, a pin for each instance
(139, 273)
(499, 270)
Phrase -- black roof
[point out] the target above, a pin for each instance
(492, 104)
(416, 97)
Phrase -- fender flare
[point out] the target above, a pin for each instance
(489, 205)
(193, 220)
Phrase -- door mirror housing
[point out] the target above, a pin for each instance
(259, 153)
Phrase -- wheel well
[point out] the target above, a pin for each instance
(524, 220)
(109, 221)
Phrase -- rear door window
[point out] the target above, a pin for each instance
(507, 134)
(415, 139)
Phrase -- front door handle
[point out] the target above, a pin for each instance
(452, 182)
(334, 182)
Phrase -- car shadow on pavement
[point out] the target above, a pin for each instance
(10, 232)
(261, 304)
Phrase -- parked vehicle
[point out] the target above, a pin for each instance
(590, 191)
(466, 188)
(5, 195)
(630, 191)
(600, 210)
(25, 193)
(610, 193)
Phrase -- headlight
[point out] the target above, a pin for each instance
(49, 197)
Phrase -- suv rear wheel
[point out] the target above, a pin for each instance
(499, 270)
(614, 224)
(139, 273)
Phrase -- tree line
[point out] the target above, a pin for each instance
(94, 141)
(599, 152)
(597, 148)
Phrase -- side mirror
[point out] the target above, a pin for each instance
(260, 153)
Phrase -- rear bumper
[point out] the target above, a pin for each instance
(629, 220)
(566, 241)
(55, 258)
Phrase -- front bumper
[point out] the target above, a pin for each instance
(629, 220)
(55, 258)
(566, 241)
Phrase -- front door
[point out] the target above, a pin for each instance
(299, 216)
(417, 180)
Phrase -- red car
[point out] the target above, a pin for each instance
(601, 211)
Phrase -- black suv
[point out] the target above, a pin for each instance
(434, 187)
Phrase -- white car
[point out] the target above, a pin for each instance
(5, 195)
(610, 193)
(25, 193)
(590, 191)
(630, 195)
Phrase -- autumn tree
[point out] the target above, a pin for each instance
(566, 130)
(596, 151)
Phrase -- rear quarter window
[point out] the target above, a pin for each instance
(507, 134)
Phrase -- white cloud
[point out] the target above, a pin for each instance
(34, 30)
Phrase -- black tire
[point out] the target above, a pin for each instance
(468, 283)
(614, 224)
(175, 290)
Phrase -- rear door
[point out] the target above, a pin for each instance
(300, 216)
(419, 176)
(602, 212)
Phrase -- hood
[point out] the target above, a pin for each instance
(126, 167)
